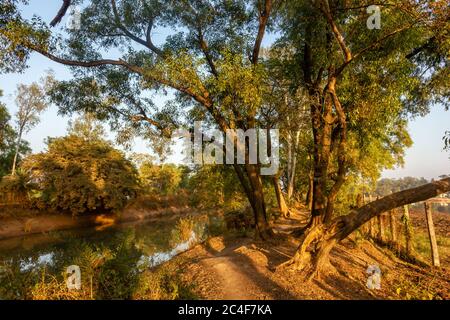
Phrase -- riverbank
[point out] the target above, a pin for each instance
(11, 227)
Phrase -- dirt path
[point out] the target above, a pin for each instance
(237, 271)
(234, 283)
(241, 269)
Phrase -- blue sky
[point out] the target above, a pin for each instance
(425, 158)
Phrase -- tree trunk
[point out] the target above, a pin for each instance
(289, 160)
(381, 233)
(16, 154)
(371, 229)
(292, 167)
(251, 183)
(432, 236)
(263, 229)
(284, 210)
(309, 195)
(312, 256)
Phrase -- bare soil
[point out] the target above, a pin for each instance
(243, 268)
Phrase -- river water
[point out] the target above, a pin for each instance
(154, 241)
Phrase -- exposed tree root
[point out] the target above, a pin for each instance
(312, 255)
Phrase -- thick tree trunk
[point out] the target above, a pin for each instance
(312, 256)
(254, 192)
(263, 229)
(432, 236)
(251, 182)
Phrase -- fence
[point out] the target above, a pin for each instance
(398, 234)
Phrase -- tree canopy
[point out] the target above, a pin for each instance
(80, 176)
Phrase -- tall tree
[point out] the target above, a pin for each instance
(87, 127)
(8, 138)
(211, 63)
(31, 102)
(361, 84)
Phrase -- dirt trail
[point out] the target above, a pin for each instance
(235, 285)
(241, 270)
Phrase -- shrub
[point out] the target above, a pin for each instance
(239, 220)
(185, 226)
(163, 283)
(15, 188)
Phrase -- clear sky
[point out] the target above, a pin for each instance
(425, 158)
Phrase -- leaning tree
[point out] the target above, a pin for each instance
(366, 69)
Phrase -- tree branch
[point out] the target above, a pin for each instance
(146, 43)
(61, 13)
(362, 215)
(374, 44)
(149, 39)
(264, 14)
(325, 8)
(341, 153)
(205, 50)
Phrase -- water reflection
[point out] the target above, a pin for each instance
(153, 239)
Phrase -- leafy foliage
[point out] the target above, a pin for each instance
(8, 138)
(81, 176)
(213, 186)
(160, 179)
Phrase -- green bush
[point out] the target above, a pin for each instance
(81, 176)
(213, 186)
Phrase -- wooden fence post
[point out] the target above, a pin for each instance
(393, 226)
(371, 229)
(432, 235)
(381, 228)
(408, 232)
